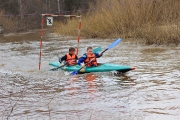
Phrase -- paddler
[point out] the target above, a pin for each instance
(70, 58)
(89, 56)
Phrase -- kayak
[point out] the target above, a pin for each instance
(102, 67)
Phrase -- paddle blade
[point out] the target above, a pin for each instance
(96, 50)
(53, 69)
(74, 73)
(114, 43)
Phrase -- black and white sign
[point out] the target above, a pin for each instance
(49, 21)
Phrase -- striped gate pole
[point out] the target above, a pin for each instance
(41, 33)
(79, 29)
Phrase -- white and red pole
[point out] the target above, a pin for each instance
(41, 33)
(79, 29)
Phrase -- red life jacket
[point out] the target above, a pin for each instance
(90, 57)
(70, 60)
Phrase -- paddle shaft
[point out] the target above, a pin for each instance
(104, 51)
(85, 65)
(56, 68)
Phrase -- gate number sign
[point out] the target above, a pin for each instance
(49, 21)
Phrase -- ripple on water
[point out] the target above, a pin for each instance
(149, 92)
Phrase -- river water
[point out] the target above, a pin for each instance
(152, 91)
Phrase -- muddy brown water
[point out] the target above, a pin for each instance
(152, 91)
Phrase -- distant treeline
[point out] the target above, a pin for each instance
(152, 21)
(13, 7)
(22, 15)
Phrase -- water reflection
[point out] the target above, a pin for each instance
(72, 88)
(90, 79)
(78, 85)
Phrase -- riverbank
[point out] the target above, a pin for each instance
(14, 24)
(154, 22)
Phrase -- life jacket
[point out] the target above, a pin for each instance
(70, 60)
(90, 57)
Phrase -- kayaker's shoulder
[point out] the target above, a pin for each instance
(84, 55)
(96, 53)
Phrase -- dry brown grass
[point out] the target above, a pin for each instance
(68, 27)
(11, 23)
(154, 21)
(7, 23)
(15, 24)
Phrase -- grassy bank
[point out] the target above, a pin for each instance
(153, 21)
(15, 24)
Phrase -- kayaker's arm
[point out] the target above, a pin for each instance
(98, 55)
(81, 59)
(63, 58)
(76, 57)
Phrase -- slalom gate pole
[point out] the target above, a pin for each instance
(41, 33)
(78, 39)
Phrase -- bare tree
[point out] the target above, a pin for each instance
(21, 10)
(59, 10)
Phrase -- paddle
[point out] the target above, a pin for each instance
(109, 47)
(112, 45)
(96, 50)
(54, 69)
(77, 71)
